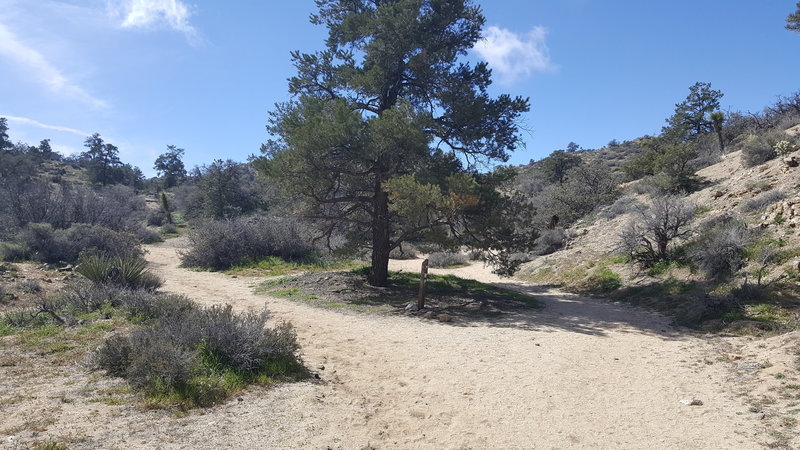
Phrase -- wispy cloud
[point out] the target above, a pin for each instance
(22, 55)
(173, 14)
(514, 55)
(36, 123)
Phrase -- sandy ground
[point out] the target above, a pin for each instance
(580, 373)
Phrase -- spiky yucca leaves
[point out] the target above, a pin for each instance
(127, 271)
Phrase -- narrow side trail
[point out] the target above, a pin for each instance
(579, 373)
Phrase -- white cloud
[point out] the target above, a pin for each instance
(512, 55)
(149, 13)
(36, 123)
(38, 67)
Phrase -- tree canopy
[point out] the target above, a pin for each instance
(170, 166)
(692, 116)
(387, 129)
(793, 20)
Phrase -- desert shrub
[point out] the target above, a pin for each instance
(761, 148)
(43, 243)
(757, 150)
(147, 359)
(63, 205)
(127, 271)
(241, 341)
(719, 249)
(221, 244)
(156, 218)
(404, 251)
(447, 259)
(30, 286)
(114, 355)
(146, 235)
(148, 305)
(761, 201)
(619, 207)
(550, 241)
(649, 236)
(169, 229)
(201, 354)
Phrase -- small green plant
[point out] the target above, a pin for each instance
(604, 280)
(779, 219)
(702, 210)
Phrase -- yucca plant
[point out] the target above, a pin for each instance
(127, 271)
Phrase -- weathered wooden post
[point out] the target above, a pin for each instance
(423, 278)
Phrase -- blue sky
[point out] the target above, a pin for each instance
(203, 74)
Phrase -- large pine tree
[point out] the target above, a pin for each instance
(387, 129)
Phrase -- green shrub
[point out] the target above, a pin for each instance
(604, 280)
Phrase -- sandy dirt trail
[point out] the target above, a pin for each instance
(579, 373)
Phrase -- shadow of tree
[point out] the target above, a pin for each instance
(509, 304)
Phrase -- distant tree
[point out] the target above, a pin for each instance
(573, 147)
(170, 166)
(16, 162)
(227, 189)
(5, 142)
(691, 116)
(129, 175)
(556, 166)
(587, 187)
(717, 120)
(793, 20)
(102, 160)
(387, 127)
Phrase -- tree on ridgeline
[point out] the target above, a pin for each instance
(669, 154)
(102, 160)
(387, 129)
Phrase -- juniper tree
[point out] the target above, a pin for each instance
(387, 128)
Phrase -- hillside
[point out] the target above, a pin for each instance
(763, 197)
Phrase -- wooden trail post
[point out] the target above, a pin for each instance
(423, 278)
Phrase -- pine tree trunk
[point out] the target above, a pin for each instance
(379, 272)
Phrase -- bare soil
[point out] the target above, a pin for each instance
(577, 373)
